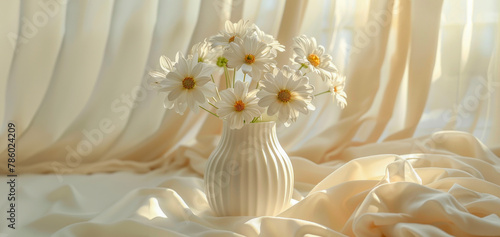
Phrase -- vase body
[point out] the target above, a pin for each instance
(249, 173)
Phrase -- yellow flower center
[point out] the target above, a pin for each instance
(284, 96)
(249, 59)
(188, 83)
(335, 89)
(313, 59)
(239, 106)
(231, 39)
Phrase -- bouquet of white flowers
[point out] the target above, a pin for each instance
(269, 94)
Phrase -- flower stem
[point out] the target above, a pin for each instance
(213, 105)
(212, 113)
(324, 92)
(257, 86)
(244, 77)
(255, 119)
(226, 75)
(234, 76)
(217, 92)
(216, 88)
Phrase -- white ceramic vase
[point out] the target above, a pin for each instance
(249, 173)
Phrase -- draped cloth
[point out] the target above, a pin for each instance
(415, 152)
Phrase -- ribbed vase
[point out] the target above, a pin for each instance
(249, 173)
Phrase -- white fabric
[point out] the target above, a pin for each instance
(73, 75)
(445, 192)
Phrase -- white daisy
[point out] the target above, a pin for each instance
(308, 54)
(167, 66)
(273, 44)
(158, 78)
(249, 54)
(206, 54)
(336, 85)
(239, 106)
(231, 32)
(286, 93)
(188, 85)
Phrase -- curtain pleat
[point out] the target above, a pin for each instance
(74, 76)
(425, 20)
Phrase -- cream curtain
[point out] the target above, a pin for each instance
(413, 68)
(415, 153)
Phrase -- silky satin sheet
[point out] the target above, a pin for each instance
(451, 190)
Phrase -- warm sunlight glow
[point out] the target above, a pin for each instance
(151, 210)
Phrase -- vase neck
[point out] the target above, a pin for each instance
(263, 132)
